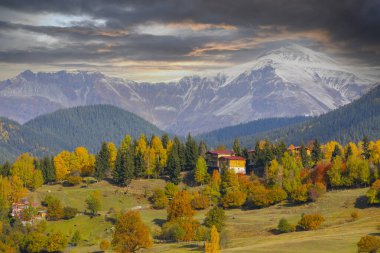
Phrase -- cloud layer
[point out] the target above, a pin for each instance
(145, 39)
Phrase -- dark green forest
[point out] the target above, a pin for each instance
(84, 126)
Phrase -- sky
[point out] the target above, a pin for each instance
(148, 40)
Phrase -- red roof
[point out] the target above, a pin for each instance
(233, 158)
(220, 152)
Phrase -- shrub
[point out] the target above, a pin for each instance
(160, 201)
(75, 239)
(172, 231)
(171, 190)
(73, 180)
(48, 199)
(200, 201)
(311, 221)
(215, 217)
(54, 209)
(104, 245)
(202, 234)
(373, 194)
(69, 212)
(369, 243)
(299, 194)
(355, 215)
(285, 227)
(234, 198)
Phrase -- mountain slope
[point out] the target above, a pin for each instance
(286, 82)
(228, 134)
(348, 123)
(69, 128)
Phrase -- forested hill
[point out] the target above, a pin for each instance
(68, 128)
(227, 135)
(348, 123)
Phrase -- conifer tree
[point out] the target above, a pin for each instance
(102, 162)
(236, 147)
(124, 164)
(202, 149)
(191, 154)
(336, 152)
(304, 156)
(366, 151)
(316, 152)
(165, 140)
(174, 165)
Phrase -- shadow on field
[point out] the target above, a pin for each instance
(361, 202)
(159, 222)
(192, 247)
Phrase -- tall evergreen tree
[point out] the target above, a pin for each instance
(181, 150)
(202, 149)
(191, 153)
(174, 165)
(165, 140)
(124, 164)
(366, 151)
(336, 152)
(304, 156)
(236, 147)
(348, 152)
(102, 162)
(47, 168)
(316, 152)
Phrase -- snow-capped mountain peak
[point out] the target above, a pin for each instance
(288, 81)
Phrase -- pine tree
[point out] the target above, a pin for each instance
(191, 154)
(348, 152)
(202, 149)
(304, 156)
(174, 166)
(336, 152)
(5, 169)
(102, 162)
(366, 151)
(165, 140)
(236, 147)
(124, 164)
(316, 152)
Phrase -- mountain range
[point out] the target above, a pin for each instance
(348, 123)
(285, 82)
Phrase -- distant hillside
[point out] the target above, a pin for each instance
(68, 128)
(227, 135)
(348, 123)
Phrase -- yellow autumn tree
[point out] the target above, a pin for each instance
(213, 246)
(5, 193)
(113, 152)
(375, 152)
(18, 190)
(84, 162)
(354, 149)
(62, 164)
(23, 168)
(131, 234)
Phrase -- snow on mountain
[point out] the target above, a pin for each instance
(288, 81)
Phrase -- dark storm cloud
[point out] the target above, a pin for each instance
(353, 26)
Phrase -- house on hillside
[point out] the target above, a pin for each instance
(218, 159)
(235, 163)
(18, 211)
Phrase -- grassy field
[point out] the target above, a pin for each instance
(247, 231)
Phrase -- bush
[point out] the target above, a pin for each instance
(54, 209)
(171, 190)
(369, 243)
(69, 212)
(160, 201)
(355, 215)
(285, 227)
(73, 180)
(48, 199)
(172, 232)
(373, 194)
(202, 234)
(104, 245)
(75, 239)
(215, 217)
(299, 194)
(311, 221)
(200, 201)
(234, 198)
